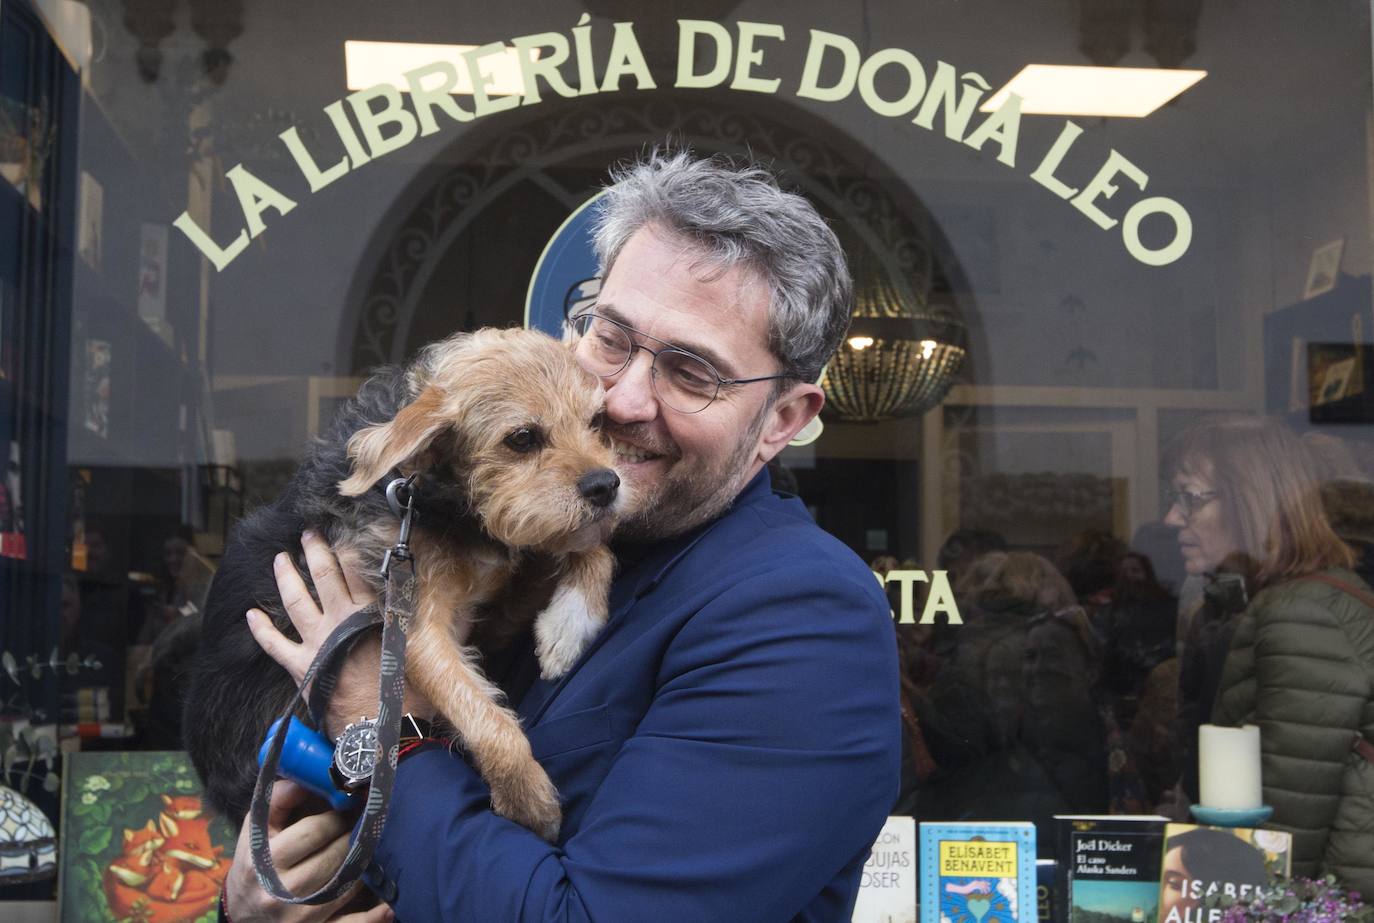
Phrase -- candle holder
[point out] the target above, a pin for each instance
(1232, 817)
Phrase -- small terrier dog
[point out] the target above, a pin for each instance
(515, 480)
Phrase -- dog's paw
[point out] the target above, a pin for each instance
(563, 631)
(531, 802)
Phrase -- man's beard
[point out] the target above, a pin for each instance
(686, 497)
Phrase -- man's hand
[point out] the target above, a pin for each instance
(342, 592)
(305, 852)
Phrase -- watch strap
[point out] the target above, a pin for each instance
(414, 729)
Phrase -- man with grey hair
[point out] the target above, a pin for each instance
(728, 747)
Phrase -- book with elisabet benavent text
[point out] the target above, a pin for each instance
(1202, 864)
(978, 873)
(1108, 867)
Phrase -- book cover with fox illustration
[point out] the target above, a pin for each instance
(978, 873)
(137, 842)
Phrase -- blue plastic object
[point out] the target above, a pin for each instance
(305, 758)
(1232, 817)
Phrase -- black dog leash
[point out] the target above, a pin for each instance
(398, 607)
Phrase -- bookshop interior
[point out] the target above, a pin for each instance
(1103, 424)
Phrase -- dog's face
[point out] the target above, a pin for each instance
(515, 421)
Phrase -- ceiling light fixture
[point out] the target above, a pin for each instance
(367, 64)
(903, 353)
(1112, 92)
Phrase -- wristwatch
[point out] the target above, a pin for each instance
(355, 752)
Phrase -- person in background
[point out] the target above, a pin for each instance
(965, 546)
(1300, 664)
(917, 763)
(1015, 720)
(1069, 723)
(883, 564)
(1089, 562)
(1347, 497)
(1137, 628)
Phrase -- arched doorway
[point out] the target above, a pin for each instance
(457, 250)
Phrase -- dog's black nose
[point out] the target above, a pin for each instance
(599, 486)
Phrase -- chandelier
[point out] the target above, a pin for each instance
(900, 357)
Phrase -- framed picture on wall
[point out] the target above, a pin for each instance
(1324, 268)
(1333, 372)
(1338, 386)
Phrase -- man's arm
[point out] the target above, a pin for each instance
(765, 764)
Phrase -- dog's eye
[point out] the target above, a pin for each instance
(524, 439)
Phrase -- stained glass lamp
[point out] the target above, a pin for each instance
(28, 845)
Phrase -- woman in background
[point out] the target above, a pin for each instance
(1300, 664)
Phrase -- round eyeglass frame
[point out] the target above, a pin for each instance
(580, 320)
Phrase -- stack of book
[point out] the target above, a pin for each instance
(1107, 869)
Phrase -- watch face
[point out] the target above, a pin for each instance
(355, 755)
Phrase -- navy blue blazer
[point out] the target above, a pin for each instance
(726, 749)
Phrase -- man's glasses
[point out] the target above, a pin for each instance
(685, 382)
(1189, 501)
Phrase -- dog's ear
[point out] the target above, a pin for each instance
(377, 449)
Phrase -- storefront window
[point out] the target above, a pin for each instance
(217, 218)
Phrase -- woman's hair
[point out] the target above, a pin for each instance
(1020, 576)
(1268, 490)
(1216, 855)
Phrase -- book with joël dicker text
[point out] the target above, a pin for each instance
(1201, 863)
(978, 873)
(1108, 867)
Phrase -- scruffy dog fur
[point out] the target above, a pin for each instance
(514, 476)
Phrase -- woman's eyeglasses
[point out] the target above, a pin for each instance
(1189, 501)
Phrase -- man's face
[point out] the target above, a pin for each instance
(685, 468)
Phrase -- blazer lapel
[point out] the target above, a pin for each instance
(635, 584)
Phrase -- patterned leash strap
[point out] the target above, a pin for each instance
(395, 615)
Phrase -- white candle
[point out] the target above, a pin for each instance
(1229, 767)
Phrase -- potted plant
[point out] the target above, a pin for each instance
(1294, 900)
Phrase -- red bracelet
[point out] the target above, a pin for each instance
(223, 906)
(417, 744)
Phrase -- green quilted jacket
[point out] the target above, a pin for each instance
(1301, 666)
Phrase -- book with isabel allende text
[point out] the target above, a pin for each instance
(1202, 864)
